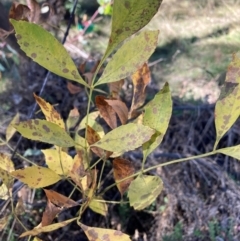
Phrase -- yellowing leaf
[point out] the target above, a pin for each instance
(44, 49)
(3, 222)
(100, 234)
(125, 138)
(144, 190)
(6, 163)
(58, 161)
(45, 131)
(6, 178)
(233, 151)
(10, 130)
(83, 152)
(59, 199)
(39, 229)
(36, 176)
(49, 112)
(130, 57)
(122, 168)
(227, 108)
(140, 79)
(98, 205)
(73, 118)
(157, 116)
(4, 192)
(128, 19)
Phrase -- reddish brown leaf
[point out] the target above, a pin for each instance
(122, 168)
(59, 200)
(94, 68)
(19, 12)
(73, 89)
(120, 108)
(82, 67)
(106, 111)
(93, 137)
(35, 10)
(140, 80)
(50, 213)
(115, 88)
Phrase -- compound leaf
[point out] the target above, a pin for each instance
(36, 176)
(144, 190)
(45, 131)
(125, 138)
(130, 57)
(44, 49)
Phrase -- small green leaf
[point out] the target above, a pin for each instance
(128, 18)
(44, 49)
(157, 115)
(130, 57)
(227, 108)
(36, 176)
(144, 190)
(233, 151)
(45, 131)
(125, 138)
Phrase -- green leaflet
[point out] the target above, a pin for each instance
(44, 49)
(127, 19)
(144, 190)
(125, 138)
(157, 115)
(233, 151)
(130, 57)
(45, 131)
(227, 108)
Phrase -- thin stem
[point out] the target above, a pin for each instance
(100, 177)
(156, 166)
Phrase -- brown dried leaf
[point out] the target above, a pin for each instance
(106, 111)
(115, 88)
(140, 79)
(120, 108)
(35, 11)
(73, 89)
(19, 12)
(82, 67)
(59, 200)
(20, 209)
(122, 168)
(50, 213)
(93, 137)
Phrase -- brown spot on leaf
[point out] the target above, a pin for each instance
(65, 70)
(33, 55)
(36, 122)
(18, 36)
(93, 233)
(46, 128)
